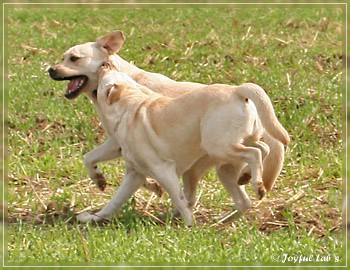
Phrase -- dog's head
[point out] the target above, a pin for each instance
(113, 84)
(81, 63)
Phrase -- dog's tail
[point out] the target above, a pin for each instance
(265, 110)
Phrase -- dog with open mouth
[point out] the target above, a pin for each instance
(80, 65)
(79, 80)
(85, 81)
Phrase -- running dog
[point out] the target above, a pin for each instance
(163, 137)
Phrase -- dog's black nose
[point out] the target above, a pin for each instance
(51, 69)
(52, 72)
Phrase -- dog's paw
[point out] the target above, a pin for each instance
(106, 66)
(85, 217)
(230, 216)
(153, 186)
(100, 181)
(261, 191)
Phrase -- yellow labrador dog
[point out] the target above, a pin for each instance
(163, 137)
(80, 66)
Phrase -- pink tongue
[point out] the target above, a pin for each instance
(73, 85)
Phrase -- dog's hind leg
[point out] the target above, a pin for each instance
(131, 183)
(245, 175)
(167, 177)
(253, 157)
(240, 153)
(192, 176)
(228, 175)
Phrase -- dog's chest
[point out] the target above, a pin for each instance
(108, 120)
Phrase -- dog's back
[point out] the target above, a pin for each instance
(197, 123)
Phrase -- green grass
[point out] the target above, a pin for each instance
(294, 53)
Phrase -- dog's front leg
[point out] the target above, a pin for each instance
(106, 151)
(131, 183)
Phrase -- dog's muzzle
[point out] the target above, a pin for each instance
(76, 83)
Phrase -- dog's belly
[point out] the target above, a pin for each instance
(145, 151)
(145, 158)
(184, 149)
(185, 160)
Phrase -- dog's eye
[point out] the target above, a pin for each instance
(73, 58)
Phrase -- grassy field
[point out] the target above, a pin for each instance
(294, 53)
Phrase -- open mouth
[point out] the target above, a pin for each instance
(75, 85)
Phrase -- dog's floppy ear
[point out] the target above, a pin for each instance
(112, 42)
(114, 93)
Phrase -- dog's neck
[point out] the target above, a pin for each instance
(123, 66)
(154, 81)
